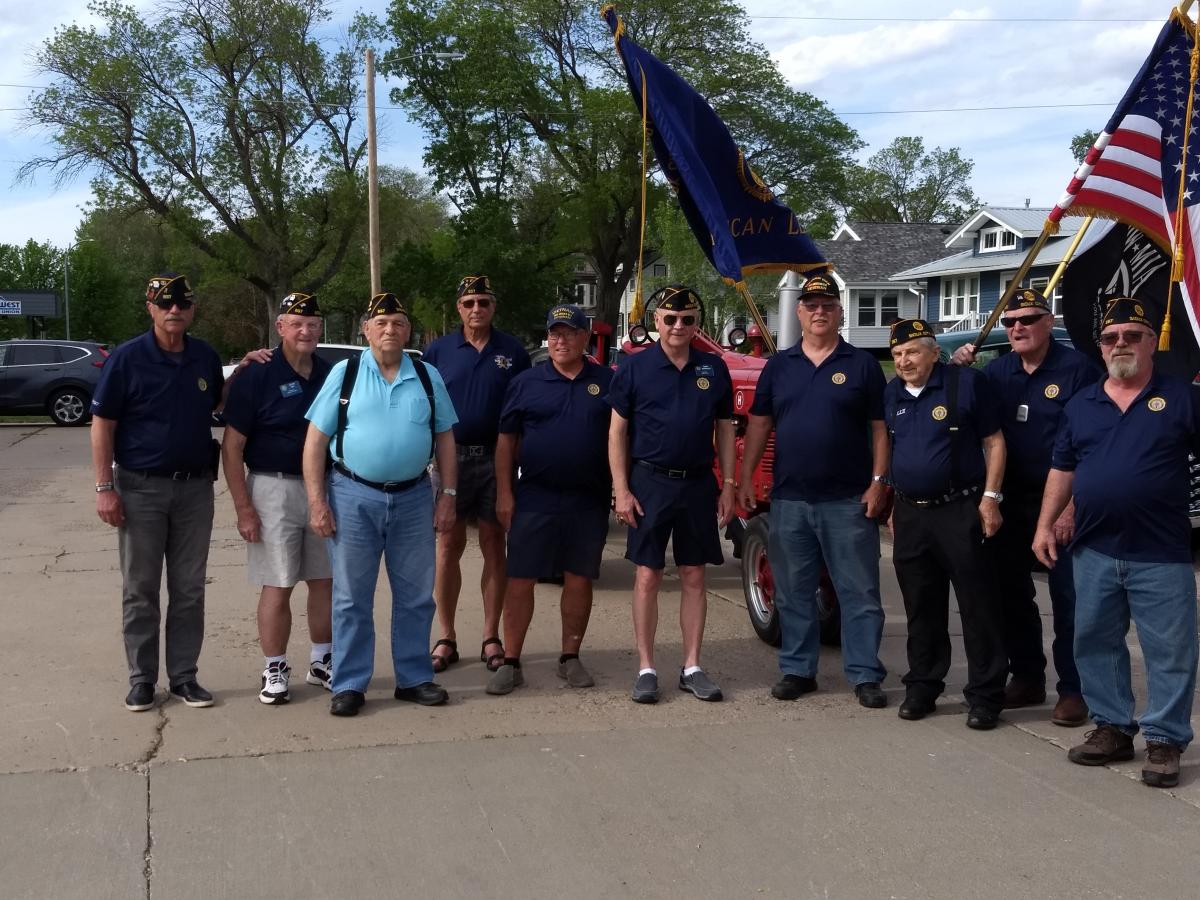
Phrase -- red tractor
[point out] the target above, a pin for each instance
(748, 531)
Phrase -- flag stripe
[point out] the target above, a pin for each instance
(1122, 172)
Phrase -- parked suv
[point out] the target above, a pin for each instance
(55, 378)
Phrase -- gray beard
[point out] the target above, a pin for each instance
(1125, 367)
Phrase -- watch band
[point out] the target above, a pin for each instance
(450, 492)
(995, 495)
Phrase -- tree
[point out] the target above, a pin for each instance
(225, 119)
(541, 98)
(905, 183)
(29, 267)
(1082, 143)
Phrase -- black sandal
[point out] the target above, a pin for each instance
(496, 660)
(441, 662)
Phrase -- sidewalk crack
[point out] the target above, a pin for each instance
(148, 850)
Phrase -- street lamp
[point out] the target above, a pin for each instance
(372, 164)
(67, 282)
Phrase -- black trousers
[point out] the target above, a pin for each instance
(1012, 550)
(934, 548)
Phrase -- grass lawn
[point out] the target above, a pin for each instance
(34, 420)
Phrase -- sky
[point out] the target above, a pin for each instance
(1008, 83)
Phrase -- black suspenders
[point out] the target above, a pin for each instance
(351, 376)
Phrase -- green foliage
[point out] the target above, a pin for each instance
(905, 183)
(30, 267)
(1082, 143)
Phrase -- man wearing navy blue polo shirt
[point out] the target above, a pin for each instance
(947, 467)
(1122, 454)
(825, 400)
(478, 362)
(553, 445)
(378, 501)
(152, 417)
(264, 431)
(666, 401)
(1032, 385)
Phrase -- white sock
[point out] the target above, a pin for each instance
(282, 660)
(691, 670)
(647, 671)
(318, 651)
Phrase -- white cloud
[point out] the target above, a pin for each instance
(50, 218)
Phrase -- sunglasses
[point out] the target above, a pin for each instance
(1014, 321)
(826, 305)
(483, 302)
(1131, 337)
(685, 321)
(166, 303)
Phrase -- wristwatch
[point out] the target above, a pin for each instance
(877, 478)
(995, 495)
(450, 492)
(729, 481)
(103, 487)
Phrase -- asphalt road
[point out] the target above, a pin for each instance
(548, 792)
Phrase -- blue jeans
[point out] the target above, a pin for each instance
(1161, 598)
(398, 527)
(801, 535)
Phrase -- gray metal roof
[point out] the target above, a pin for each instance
(1025, 221)
(884, 247)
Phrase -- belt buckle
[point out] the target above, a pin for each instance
(475, 450)
(390, 486)
(677, 473)
(181, 476)
(922, 504)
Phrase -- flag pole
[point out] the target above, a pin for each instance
(768, 341)
(1047, 230)
(1068, 256)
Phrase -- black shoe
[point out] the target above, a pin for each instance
(346, 703)
(428, 694)
(914, 708)
(982, 719)
(140, 697)
(789, 687)
(192, 694)
(870, 695)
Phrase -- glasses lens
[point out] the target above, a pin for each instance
(685, 321)
(1131, 337)
(1014, 321)
(483, 302)
(167, 304)
(814, 305)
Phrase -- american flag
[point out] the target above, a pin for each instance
(1132, 172)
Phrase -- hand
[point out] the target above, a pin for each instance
(320, 518)
(964, 355)
(891, 524)
(1045, 547)
(445, 513)
(745, 496)
(725, 504)
(875, 499)
(504, 508)
(627, 508)
(249, 525)
(989, 516)
(261, 355)
(110, 509)
(1064, 527)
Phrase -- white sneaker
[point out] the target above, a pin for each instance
(275, 684)
(320, 672)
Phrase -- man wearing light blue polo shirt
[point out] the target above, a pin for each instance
(378, 500)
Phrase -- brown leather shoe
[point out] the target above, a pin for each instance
(1070, 711)
(1103, 744)
(1023, 693)
(1162, 765)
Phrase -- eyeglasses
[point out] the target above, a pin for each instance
(1014, 321)
(685, 321)
(484, 303)
(562, 336)
(824, 305)
(1130, 337)
(166, 303)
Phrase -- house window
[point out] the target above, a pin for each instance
(993, 239)
(1008, 240)
(1039, 284)
(866, 308)
(877, 307)
(960, 297)
(889, 307)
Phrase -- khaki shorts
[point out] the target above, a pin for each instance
(288, 550)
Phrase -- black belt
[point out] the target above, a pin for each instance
(468, 450)
(388, 487)
(928, 502)
(173, 474)
(274, 474)
(668, 472)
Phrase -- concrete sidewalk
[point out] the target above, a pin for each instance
(545, 792)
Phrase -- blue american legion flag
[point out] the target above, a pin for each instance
(1132, 172)
(736, 219)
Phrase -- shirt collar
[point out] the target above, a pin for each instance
(407, 370)
(842, 349)
(665, 360)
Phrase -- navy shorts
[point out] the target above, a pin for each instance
(476, 500)
(548, 544)
(680, 510)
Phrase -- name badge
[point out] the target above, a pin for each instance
(705, 369)
(291, 389)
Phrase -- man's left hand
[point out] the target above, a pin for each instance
(725, 505)
(989, 516)
(875, 499)
(444, 514)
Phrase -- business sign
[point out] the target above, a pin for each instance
(29, 303)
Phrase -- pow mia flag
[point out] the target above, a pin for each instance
(1125, 262)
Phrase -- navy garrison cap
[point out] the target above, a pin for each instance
(168, 286)
(906, 330)
(1122, 310)
(676, 298)
(298, 304)
(1027, 298)
(475, 284)
(384, 305)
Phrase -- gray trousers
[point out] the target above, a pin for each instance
(172, 521)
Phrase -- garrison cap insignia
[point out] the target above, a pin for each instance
(1156, 404)
(839, 378)
(939, 412)
(299, 304)
(1051, 391)
(703, 383)
(384, 305)
(594, 389)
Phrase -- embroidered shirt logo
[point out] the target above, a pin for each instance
(703, 383)
(1156, 404)
(594, 390)
(839, 378)
(202, 383)
(1051, 391)
(503, 362)
(939, 412)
